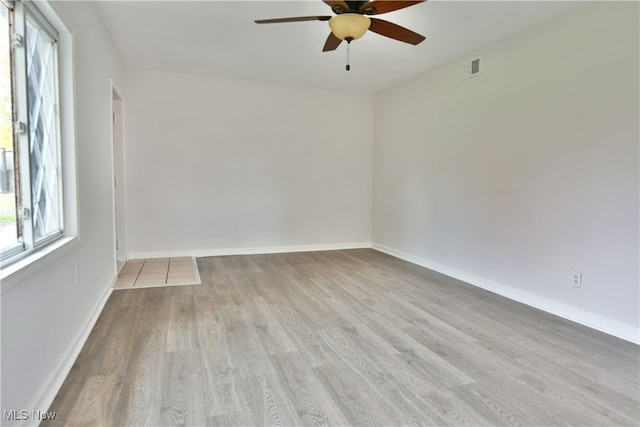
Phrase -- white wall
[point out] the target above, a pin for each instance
(220, 165)
(46, 314)
(517, 177)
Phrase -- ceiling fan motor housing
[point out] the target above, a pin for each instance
(354, 7)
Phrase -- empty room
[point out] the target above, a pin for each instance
(320, 213)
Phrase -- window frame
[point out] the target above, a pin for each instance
(23, 12)
(25, 263)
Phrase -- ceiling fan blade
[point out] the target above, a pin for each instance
(394, 31)
(332, 43)
(338, 6)
(295, 19)
(376, 7)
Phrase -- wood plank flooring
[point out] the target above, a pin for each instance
(350, 337)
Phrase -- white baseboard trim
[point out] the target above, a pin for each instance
(592, 320)
(53, 384)
(249, 251)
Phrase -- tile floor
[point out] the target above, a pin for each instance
(144, 273)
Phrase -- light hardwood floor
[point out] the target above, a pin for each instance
(341, 338)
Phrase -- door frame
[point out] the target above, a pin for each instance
(118, 173)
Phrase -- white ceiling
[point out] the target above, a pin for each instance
(220, 38)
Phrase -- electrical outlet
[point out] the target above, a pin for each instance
(577, 279)
(77, 274)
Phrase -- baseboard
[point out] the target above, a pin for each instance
(248, 251)
(592, 320)
(53, 384)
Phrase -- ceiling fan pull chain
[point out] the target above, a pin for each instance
(348, 54)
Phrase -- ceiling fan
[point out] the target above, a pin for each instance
(352, 21)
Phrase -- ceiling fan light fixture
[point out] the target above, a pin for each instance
(349, 26)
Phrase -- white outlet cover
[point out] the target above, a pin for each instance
(577, 280)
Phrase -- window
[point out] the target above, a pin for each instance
(31, 213)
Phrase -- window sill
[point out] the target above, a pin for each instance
(16, 272)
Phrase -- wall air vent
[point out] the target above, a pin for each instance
(471, 68)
